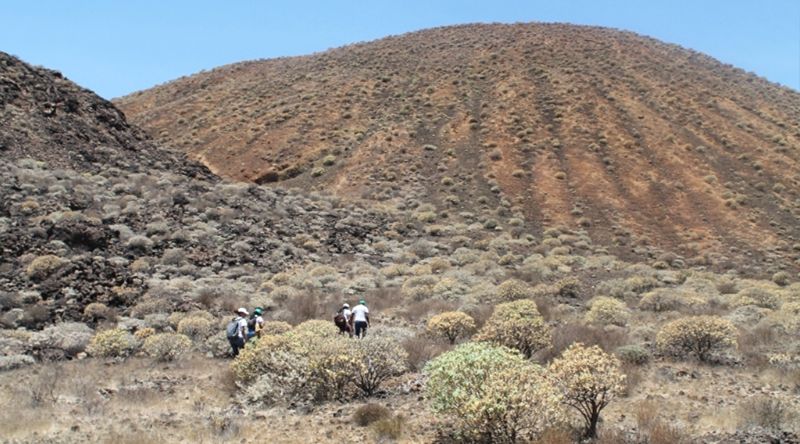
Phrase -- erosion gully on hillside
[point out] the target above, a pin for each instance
(645, 144)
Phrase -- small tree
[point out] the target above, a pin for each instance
(696, 335)
(588, 379)
(378, 358)
(517, 325)
(452, 325)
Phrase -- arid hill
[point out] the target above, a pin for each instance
(641, 142)
(47, 117)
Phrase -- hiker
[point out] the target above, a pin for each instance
(255, 324)
(361, 318)
(343, 320)
(237, 331)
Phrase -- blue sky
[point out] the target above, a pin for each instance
(117, 47)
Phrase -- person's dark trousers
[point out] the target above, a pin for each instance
(237, 344)
(361, 329)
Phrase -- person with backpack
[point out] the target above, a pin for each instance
(361, 318)
(343, 319)
(237, 331)
(255, 323)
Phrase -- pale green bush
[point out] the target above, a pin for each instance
(195, 327)
(451, 325)
(758, 296)
(668, 299)
(112, 343)
(144, 333)
(696, 335)
(275, 328)
(516, 325)
(333, 366)
(70, 338)
(98, 310)
(605, 310)
(166, 347)
(628, 287)
(378, 358)
(633, 354)
(513, 289)
(472, 385)
(43, 266)
(588, 379)
(253, 361)
(781, 278)
(283, 378)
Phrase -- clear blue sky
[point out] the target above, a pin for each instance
(117, 47)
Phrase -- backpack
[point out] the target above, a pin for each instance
(251, 324)
(339, 320)
(232, 330)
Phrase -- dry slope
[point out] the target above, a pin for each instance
(47, 117)
(650, 146)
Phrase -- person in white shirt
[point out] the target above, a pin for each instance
(361, 318)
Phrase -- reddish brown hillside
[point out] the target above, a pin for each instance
(642, 142)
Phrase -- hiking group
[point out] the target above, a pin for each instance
(244, 327)
(353, 322)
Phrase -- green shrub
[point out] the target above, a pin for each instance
(334, 367)
(258, 359)
(471, 384)
(329, 160)
(112, 343)
(144, 333)
(97, 310)
(633, 354)
(605, 310)
(69, 338)
(451, 325)
(781, 278)
(43, 266)
(668, 299)
(696, 335)
(588, 379)
(165, 347)
(389, 428)
(513, 289)
(275, 328)
(516, 325)
(377, 358)
(281, 377)
(629, 287)
(369, 413)
(760, 297)
(195, 327)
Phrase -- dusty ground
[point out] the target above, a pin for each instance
(138, 401)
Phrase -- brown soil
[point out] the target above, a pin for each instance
(644, 143)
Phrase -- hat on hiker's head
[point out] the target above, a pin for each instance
(258, 311)
(362, 301)
(243, 311)
(346, 305)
